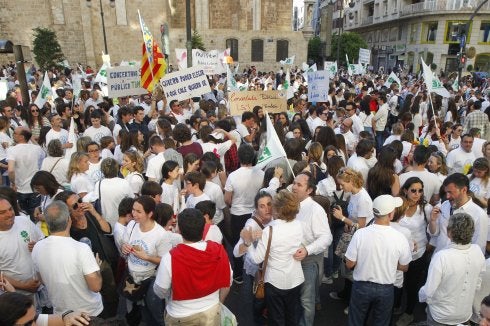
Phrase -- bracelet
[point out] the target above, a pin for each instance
(66, 313)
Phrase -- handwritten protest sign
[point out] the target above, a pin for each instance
(124, 81)
(270, 101)
(318, 86)
(184, 84)
(207, 60)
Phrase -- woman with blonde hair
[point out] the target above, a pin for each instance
(437, 164)
(80, 181)
(284, 274)
(133, 165)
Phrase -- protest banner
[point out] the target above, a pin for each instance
(318, 86)
(207, 60)
(124, 81)
(364, 56)
(184, 84)
(270, 101)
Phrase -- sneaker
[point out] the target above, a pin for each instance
(346, 311)
(327, 280)
(335, 274)
(238, 280)
(404, 320)
(334, 295)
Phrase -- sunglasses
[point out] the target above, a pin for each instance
(77, 204)
(414, 191)
(35, 110)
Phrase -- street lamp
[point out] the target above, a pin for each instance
(341, 28)
(112, 3)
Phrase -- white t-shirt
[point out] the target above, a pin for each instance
(4, 138)
(215, 194)
(417, 224)
(94, 172)
(154, 167)
(112, 191)
(477, 147)
(360, 165)
(106, 153)
(377, 250)
(156, 242)
(242, 130)
(81, 182)
(15, 258)
(214, 234)
(170, 195)
(479, 189)
(28, 158)
(192, 200)
(406, 232)
(62, 135)
(60, 169)
(458, 160)
(62, 263)
(97, 133)
(360, 205)
(244, 183)
(135, 180)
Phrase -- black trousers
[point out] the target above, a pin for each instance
(283, 306)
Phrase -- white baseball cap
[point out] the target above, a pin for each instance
(385, 204)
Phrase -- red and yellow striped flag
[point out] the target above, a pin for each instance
(148, 81)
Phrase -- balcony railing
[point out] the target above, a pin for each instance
(437, 6)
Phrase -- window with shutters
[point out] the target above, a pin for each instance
(232, 43)
(282, 50)
(257, 50)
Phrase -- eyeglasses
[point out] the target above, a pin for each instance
(35, 110)
(414, 191)
(77, 204)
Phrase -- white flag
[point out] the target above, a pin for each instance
(433, 83)
(455, 85)
(231, 81)
(72, 139)
(392, 78)
(287, 85)
(273, 148)
(44, 92)
(288, 61)
(102, 74)
(331, 67)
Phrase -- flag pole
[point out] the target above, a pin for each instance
(147, 55)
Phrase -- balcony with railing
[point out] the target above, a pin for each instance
(441, 6)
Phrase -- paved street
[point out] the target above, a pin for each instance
(332, 312)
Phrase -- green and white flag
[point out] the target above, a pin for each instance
(102, 74)
(331, 67)
(392, 78)
(243, 87)
(231, 81)
(287, 85)
(288, 61)
(455, 84)
(44, 92)
(433, 83)
(273, 148)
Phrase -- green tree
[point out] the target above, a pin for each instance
(197, 42)
(315, 50)
(350, 43)
(46, 49)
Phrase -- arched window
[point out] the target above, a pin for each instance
(257, 50)
(232, 43)
(282, 50)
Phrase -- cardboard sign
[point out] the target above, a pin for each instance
(364, 56)
(184, 84)
(270, 101)
(318, 86)
(124, 81)
(207, 60)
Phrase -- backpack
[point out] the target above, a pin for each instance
(342, 204)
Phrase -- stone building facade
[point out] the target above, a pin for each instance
(243, 25)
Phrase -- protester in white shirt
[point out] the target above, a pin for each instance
(454, 275)
(461, 159)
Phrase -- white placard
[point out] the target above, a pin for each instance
(124, 81)
(364, 56)
(184, 84)
(318, 86)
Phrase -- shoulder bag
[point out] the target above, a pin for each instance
(259, 286)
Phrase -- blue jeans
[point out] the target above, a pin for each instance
(367, 296)
(312, 265)
(154, 308)
(332, 262)
(380, 139)
(27, 202)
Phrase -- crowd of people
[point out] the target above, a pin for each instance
(152, 209)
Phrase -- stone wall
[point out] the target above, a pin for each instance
(79, 28)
